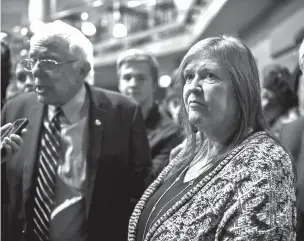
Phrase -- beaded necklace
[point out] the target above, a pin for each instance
(205, 166)
(154, 206)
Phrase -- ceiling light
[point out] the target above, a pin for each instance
(116, 15)
(97, 3)
(88, 28)
(119, 30)
(24, 31)
(84, 16)
(151, 2)
(183, 5)
(133, 4)
(164, 81)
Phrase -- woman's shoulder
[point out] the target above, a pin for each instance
(263, 145)
(263, 155)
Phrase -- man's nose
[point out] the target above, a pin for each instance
(36, 70)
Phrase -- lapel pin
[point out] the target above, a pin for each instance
(97, 122)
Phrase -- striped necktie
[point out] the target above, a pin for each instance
(46, 178)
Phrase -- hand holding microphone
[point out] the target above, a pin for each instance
(11, 138)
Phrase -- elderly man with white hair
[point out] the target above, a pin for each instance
(292, 137)
(85, 154)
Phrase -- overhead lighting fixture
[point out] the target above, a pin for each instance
(24, 53)
(116, 15)
(183, 5)
(120, 30)
(84, 16)
(88, 28)
(151, 2)
(24, 31)
(134, 4)
(164, 81)
(97, 3)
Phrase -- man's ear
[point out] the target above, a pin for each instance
(86, 67)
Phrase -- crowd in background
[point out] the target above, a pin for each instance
(282, 100)
(282, 90)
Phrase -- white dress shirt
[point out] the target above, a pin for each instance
(68, 217)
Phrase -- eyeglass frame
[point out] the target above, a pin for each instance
(57, 64)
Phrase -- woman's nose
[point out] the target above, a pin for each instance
(195, 85)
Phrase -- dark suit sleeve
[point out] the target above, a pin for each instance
(162, 158)
(4, 190)
(140, 156)
(4, 185)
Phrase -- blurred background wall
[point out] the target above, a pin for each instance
(167, 28)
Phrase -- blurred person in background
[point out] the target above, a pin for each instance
(278, 100)
(5, 70)
(292, 137)
(25, 82)
(171, 102)
(231, 181)
(298, 89)
(22, 80)
(138, 73)
(85, 154)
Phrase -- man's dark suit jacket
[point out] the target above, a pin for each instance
(118, 162)
(163, 136)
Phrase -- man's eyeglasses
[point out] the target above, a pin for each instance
(44, 64)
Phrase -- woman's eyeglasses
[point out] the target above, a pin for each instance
(44, 64)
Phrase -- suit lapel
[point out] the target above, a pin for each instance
(96, 120)
(31, 141)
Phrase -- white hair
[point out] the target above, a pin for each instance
(74, 40)
(301, 56)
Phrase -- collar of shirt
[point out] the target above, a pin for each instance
(72, 109)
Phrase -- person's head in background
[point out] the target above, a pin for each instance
(60, 57)
(173, 98)
(24, 79)
(138, 73)
(5, 70)
(300, 82)
(277, 94)
(221, 92)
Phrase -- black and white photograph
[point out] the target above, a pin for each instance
(152, 120)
